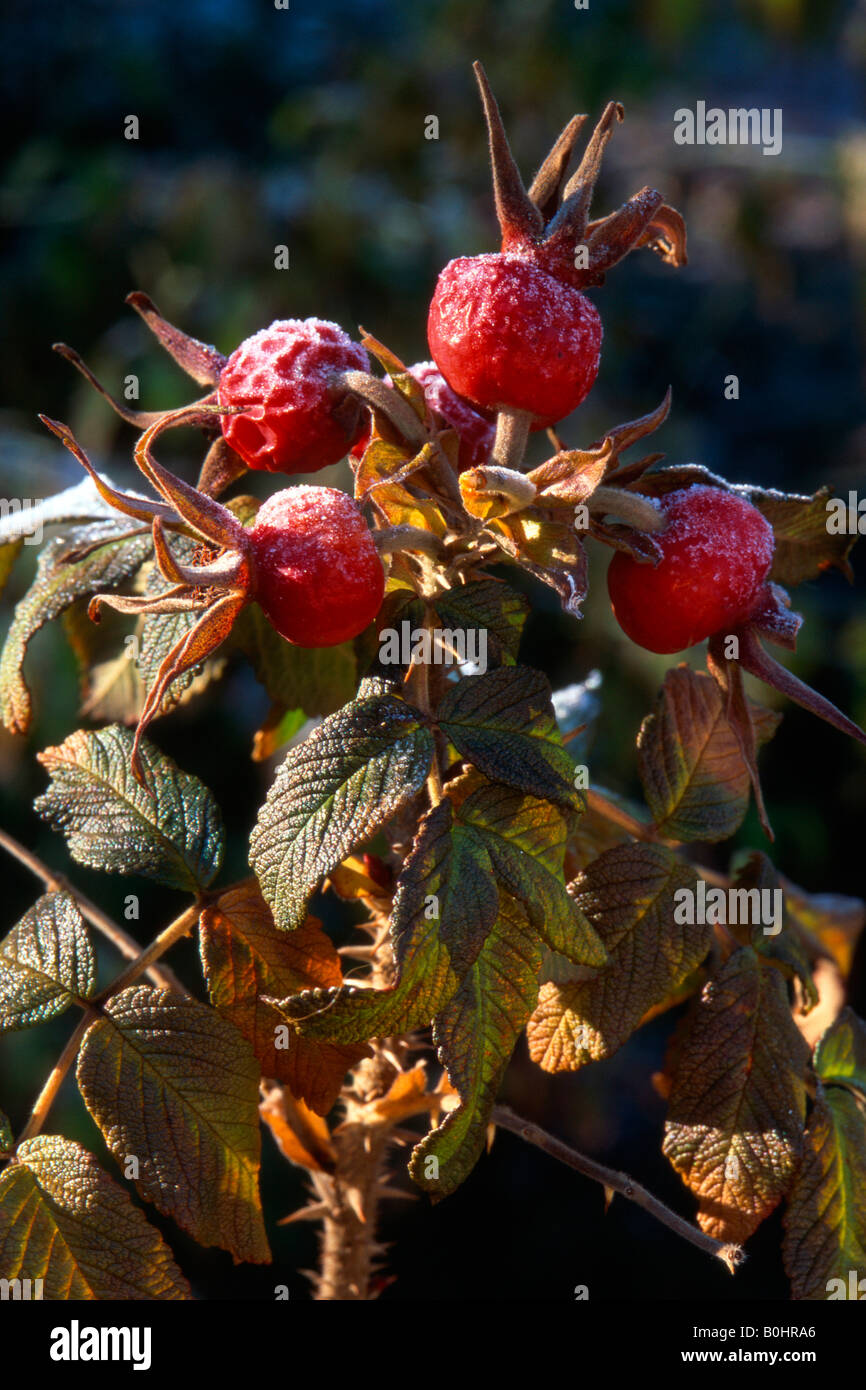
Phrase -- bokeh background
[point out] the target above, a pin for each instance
(305, 126)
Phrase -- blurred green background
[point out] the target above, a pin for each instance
(305, 127)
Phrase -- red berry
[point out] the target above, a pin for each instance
(318, 575)
(716, 554)
(505, 333)
(475, 432)
(284, 375)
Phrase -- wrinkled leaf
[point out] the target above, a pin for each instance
(174, 1086)
(738, 1100)
(805, 547)
(333, 791)
(169, 829)
(245, 957)
(46, 963)
(830, 921)
(489, 605)
(56, 587)
(689, 759)
(503, 723)
(825, 1220)
(840, 1057)
(65, 1221)
(317, 680)
(627, 894)
(475, 1035)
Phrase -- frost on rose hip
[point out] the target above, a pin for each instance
(318, 575)
(475, 433)
(284, 374)
(717, 550)
(505, 334)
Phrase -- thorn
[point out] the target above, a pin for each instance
(315, 1212)
(353, 1197)
(609, 1194)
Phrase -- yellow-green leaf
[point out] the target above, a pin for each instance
(46, 963)
(175, 1087)
(840, 1056)
(824, 1248)
(169, 829)
(65, 1221)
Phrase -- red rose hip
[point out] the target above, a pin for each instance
(318, 575)
(476, 433)
(716, 554)
(284, 376)
(504, 333)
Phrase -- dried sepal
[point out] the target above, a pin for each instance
(199, 360)
(139, 418)
(519, 219)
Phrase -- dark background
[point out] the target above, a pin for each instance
(306, 127)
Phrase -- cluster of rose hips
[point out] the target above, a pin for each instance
(515, 346)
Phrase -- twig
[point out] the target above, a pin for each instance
(640, 830)
(58, 883)
(181, 926)
(730, 1254)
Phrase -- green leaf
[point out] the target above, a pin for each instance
(444, 908)
(628, 895)
(526, 840)
(65, 1221)
(169, 829)
(172, 1085)
(475, 1035)
(693, 774)
(503, 723)
(245, 958)
(738, 1098)
(840, 1055)
(56, 587)
(318, 680)
(46, 963)
(332, 792)
(825, 1220)
(486, 604)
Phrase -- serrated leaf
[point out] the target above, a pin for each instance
(486, 604)
(57, 585)
(475, 1034)
(692, 770)
(825, 1219)
(46, 963)
(840, 1056)
(65, 1221)
(805, 546)
(245, 957)
(332, 792)
(738, 1099)
(526, 839)
(628, 895)
(503, 723)
(79, 503)
(169, 829)
(317, 680)
(175, 1086)
(444, 907)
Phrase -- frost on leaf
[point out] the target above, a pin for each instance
(65, 1221)
(331, 793)
(735, 1123)
(169, 829)
(46, 963)
(172, 1084)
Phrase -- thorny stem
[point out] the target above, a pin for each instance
(730, 1254)
(143, 963)
(58, 883)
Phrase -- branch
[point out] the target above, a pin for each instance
(730, 1254)
(58, 883)
(640, 830)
